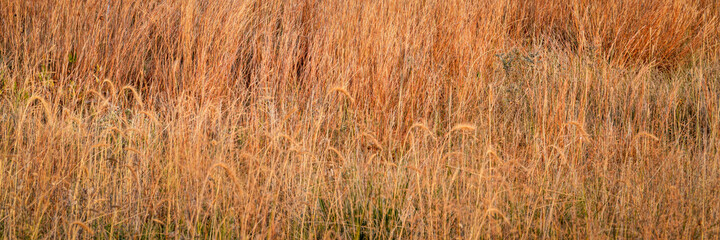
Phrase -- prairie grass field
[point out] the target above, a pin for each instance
(346, 119)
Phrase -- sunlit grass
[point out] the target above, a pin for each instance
(359, 120)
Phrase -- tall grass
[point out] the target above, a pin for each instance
(360, 119)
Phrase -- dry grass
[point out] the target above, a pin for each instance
(360, 119)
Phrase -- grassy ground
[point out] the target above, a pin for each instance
(360, 119)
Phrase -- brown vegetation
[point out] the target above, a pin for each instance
(360, 119)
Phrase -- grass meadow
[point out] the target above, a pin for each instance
(346, 119)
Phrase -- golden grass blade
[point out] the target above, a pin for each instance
(344, 92)
(84, 227)
(45, 106)
(135, 94)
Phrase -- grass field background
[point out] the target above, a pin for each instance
(349, 119)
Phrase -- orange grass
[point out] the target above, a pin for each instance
(360, 119)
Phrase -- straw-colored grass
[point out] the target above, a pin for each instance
(360, 119)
